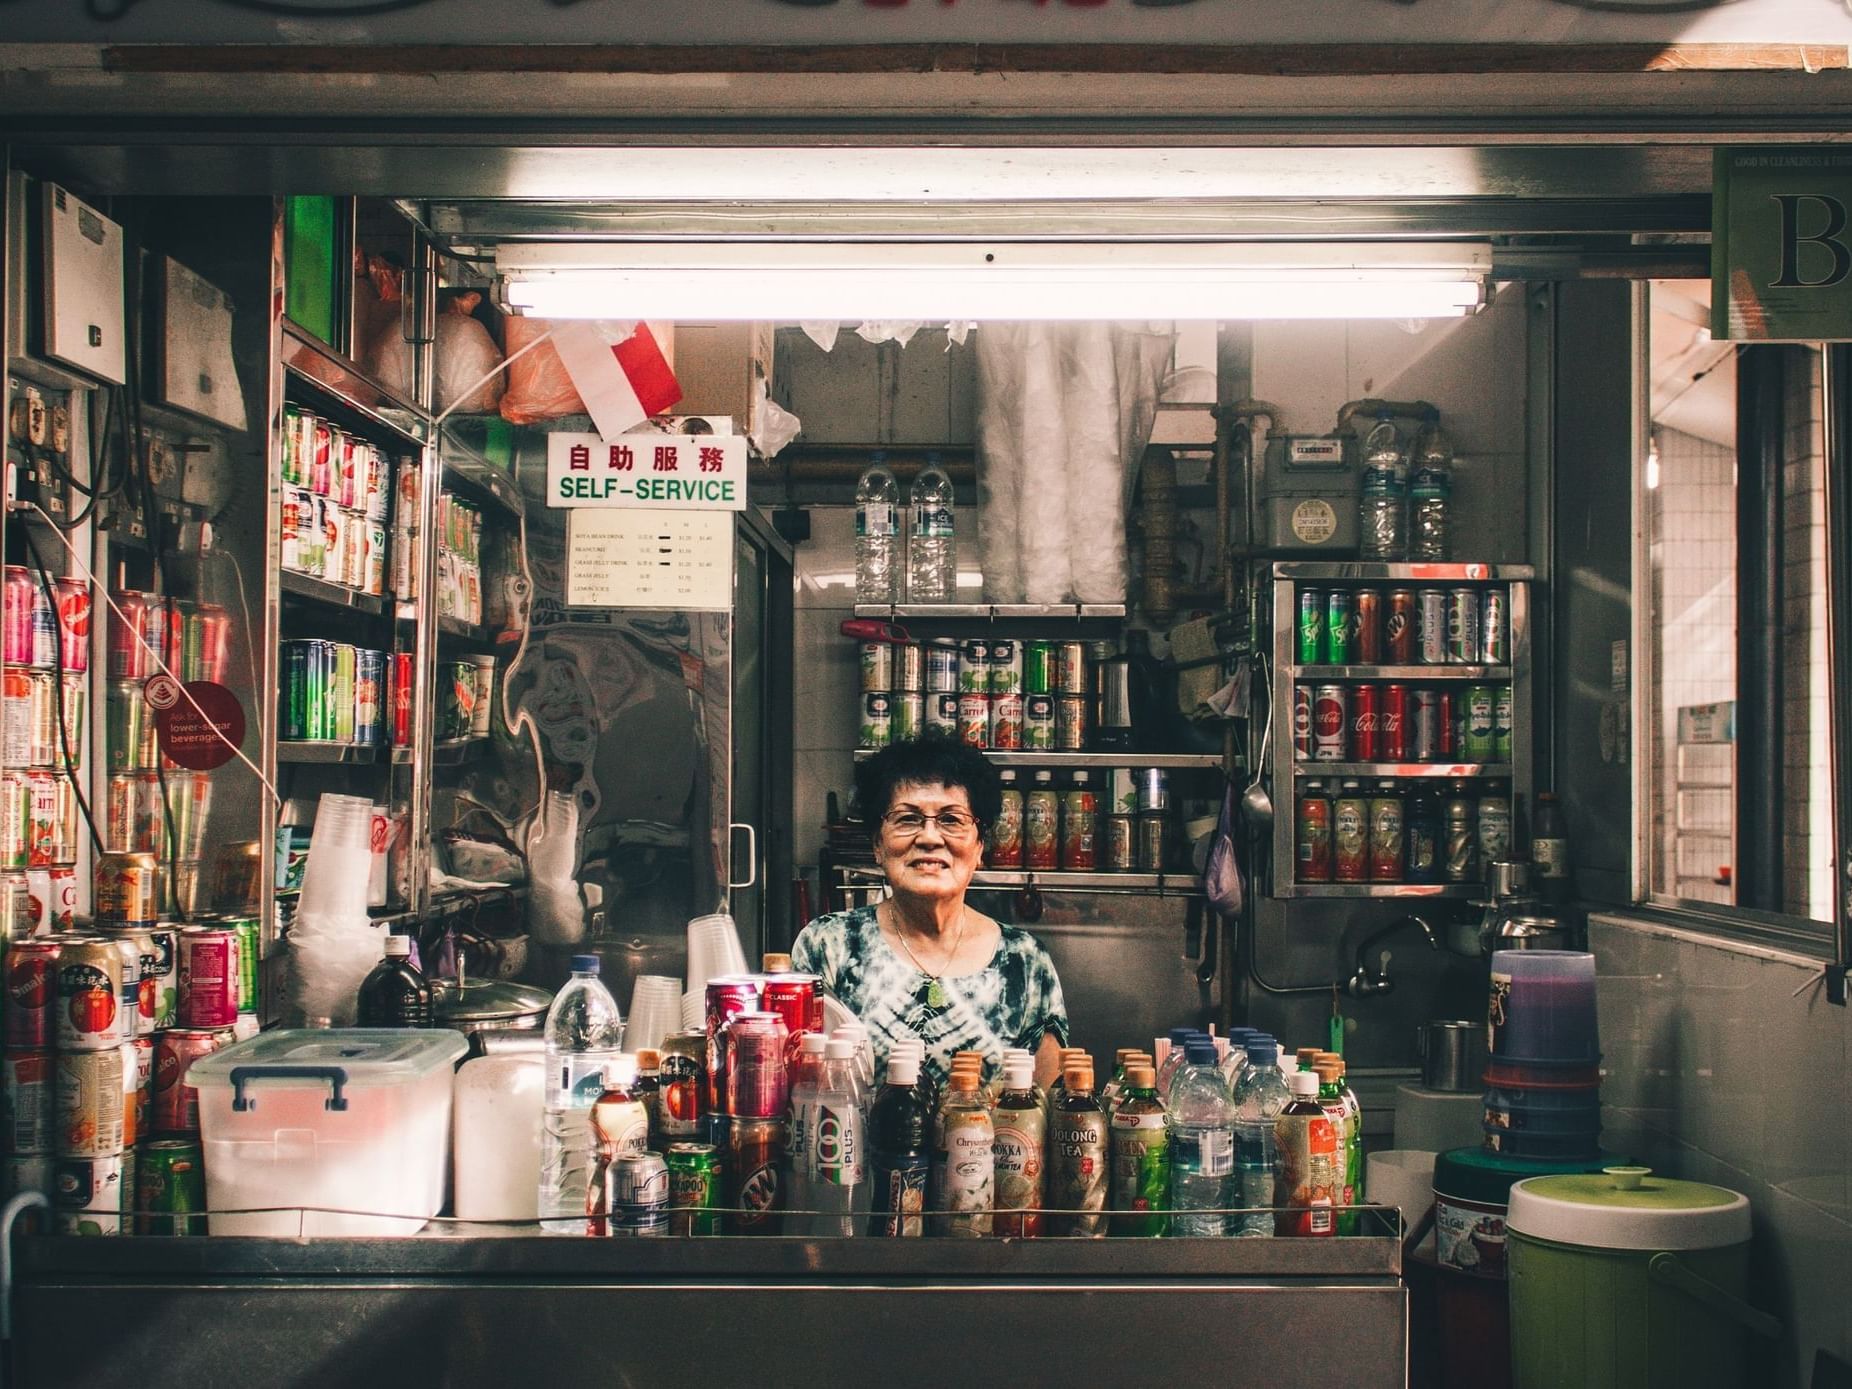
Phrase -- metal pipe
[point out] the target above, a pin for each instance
(1836, 374)
(1759, 683)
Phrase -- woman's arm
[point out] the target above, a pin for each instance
(1047, 1059)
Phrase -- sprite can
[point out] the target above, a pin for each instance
(1038, 667)
(694, 1189)
(170, 1188)
(1311, 627)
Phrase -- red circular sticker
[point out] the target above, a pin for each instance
(203, 730)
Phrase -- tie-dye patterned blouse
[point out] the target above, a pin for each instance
(1014, 1001)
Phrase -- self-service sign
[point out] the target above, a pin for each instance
(647, 472)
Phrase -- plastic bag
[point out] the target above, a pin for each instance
(1222, 874)
(538, 387)
(465, 355)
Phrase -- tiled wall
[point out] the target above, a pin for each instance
(1725, 1064)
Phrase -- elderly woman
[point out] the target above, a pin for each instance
(924, 962)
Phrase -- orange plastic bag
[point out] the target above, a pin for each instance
(538, 386)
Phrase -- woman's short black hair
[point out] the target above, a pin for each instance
(933, 760)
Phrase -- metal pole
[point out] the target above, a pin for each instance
(1836, 374)
(1759, 683)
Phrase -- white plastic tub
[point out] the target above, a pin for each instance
(328, 1132)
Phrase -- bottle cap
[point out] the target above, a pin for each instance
(812, 1043)
(1140, 1077)
(1326, 1071)
(1263, 1052)
(1018, 1073)
(1079, 1075)
(777, 963)
(1180, 1035)
(1201, 1053)
(398, 947)
(648, 1060)
(903, 1068)
(1306, 1055)
(620, 1070)
(966, 1080)
(1304, 1084)
(837, 1048)
(585, 964)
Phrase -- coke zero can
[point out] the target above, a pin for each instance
(1449, 719)
(1369, 625)
(1330, 720)
(1392, 723)
(1302, 722)
(1364, 744)
(1399, 628)
(1424, 745)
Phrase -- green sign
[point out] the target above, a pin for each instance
(1781, 244)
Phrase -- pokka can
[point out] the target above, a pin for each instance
(92, 1104)
(89, 1016)
(32, 994)
(170, 1188)
(209, 977)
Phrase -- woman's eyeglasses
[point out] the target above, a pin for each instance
(953, 824)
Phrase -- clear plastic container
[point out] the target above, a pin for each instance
(327, 1131)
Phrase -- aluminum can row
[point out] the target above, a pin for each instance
(40, 630)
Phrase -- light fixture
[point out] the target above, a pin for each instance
(1021, 281)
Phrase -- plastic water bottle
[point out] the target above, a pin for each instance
(1430, 491)
(1202, 1146)
(1180, 1039)
(932, 549)
(1383, 511)
(877, 535)
(1257, 1105)
(584, 1032)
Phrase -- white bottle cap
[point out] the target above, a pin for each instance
(397, 946)
(903, 1069)
(621, 1069)
(1303, 1083)
(1018, 1073)
(840, 1049)
(812, 1043)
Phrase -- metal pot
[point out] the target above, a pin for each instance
(488, 1005)
(1529, 928)
(1452, 1054)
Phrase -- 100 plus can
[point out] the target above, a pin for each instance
(1302, 722)
(1463, 627)
(1494, 628)
(209, 977)
(694, 1189)
(170, 1188)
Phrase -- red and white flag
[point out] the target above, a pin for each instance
(618, 370)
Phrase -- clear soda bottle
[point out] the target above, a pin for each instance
(584, 1032)
(1383, 510)
(932, 548)
(1202, 1145)
(877, 535)
(806, 1077)
(830, 1166)
(1430, 496)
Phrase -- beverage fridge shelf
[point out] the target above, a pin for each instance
(1413, 675)
(452, 752)
(311, 364)
(1169, 761)
(333, 595)
(926, 612)
(1311, 771)
(470, 633)
(1377, 890)
(1358, 571)
(328, 754)
(1164, 884)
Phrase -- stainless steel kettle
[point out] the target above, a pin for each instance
(1514, 919)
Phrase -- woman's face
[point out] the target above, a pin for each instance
(923, 860)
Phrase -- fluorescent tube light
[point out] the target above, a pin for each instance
(995, 281)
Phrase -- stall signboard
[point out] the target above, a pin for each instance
(1781, 244)
(647, 472)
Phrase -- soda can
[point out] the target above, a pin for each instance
(797, 998)
(1121, 840)
(1340, 628)
(207, 653)
(1006, 668)
(480, 716)
(16, 718)
(374, 548)
(95, 1195)
(1501, 724)
(1153, 841)
(1399, 628)
(1311, 627)
(189, 799)
(134, 1105)
(127, 660)
(1038, 667)
(292, 518)
(128, 888)
(17, 918)
(73, 625)
(1365, 712)
(1038, 722)
(141, 1078)
(757, 1081)
(379, 485)
(694, 1189)
(1073, 715)
(324, 447)
(1369, 626)
(176, 1102)
(1431, 626)
(43, 743)
(1330, 723)
(1302, 723)
(148, 977)
(91, 1105)
(129, 731)
(877, 729)
(636, 1190)
(909, 715)
(1153, 790)
(727, 997)
(1452, 721)
(45, 828)
(76, 701)
(877, 666)
(1480, 742)
(1006, 722)
(1312, 836)
(401, 699)
(129, 985)
(352, 480)
(1071, 668)
(941, 667)
(1350, 836)
(89, 1016)
(974, 719)
(27, 1083)
(15, 818)
(292, 450)
(162, 969)
(681, 1087)
(210, 973)
(341, 693)
(941, 714)
(1122, 789)
(755, 1161)
(910, 668)
(43, 629)
(369, 697)
(1494, 628)
(1463, 627)
(170, 1188)
(1424, 738)
(32, 994)
(974, 667)
(1392, 722)
(16, 647)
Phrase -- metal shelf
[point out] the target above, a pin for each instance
(1164, 884)
(300, 345)
(992, 612)
(1402, 770)
(482, 481)
(452, 752)
(328, 754)
(332, 595)
(1411, 674)
(456, 629)
(1359, 571)
(1361, 891)
(1170, 761)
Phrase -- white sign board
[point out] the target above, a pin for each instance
(647, 472)
(618, 558)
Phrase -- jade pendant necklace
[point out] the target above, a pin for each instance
(936, 996)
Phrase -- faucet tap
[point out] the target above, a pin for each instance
(1370, 981)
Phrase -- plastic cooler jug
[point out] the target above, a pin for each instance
(1622, 1280)
(341, 1131)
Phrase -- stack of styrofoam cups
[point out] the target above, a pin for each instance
(713, 950)
(333, 943)
(1543, 1068)
(655, 1012)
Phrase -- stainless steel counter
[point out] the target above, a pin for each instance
(459, 1309)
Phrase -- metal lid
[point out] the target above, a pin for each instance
(1628, 1208)
(486, 1000)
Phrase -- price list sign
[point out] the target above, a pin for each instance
(649, 559)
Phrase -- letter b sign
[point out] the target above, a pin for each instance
(1825, 218)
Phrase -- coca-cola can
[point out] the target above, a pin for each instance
(1302, 722)
(1330, 723)
(797, 998)
(1364, 744)
(1424, 744)
(757, 1081)
(1399, 628)
(74, 624)
(727, 997)
(1369, 626)
(1392, 723)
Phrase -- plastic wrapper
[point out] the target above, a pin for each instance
(379, 296)
(777, 425)
(1222, 874)
(823, 334)
(466, 354)
(555, 908)
(538, 387)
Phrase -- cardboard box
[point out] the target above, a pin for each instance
(720, 366)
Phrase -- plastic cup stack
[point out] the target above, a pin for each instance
(655, 1012)
(1543, 1071)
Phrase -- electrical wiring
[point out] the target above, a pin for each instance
(64, 734)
